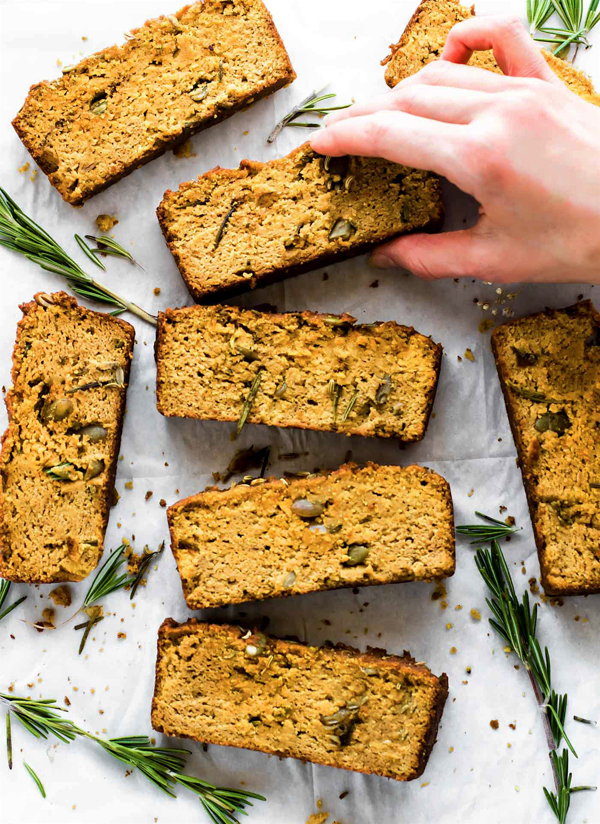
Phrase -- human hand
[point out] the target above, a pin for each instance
(523, 145)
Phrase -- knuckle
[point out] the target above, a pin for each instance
(435, 72)
(487, 157)
(510, 24)
(377, 130)
(406, 99)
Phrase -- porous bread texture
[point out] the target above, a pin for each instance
(368, 712)
(316, 371)
(176, 75)
(53, 529)
(248, 543)
(549, 368)
(424, 38)
(235, 229)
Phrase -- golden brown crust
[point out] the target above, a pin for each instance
(527, 460)
(77, 192)
(172, 404)
(170, 630)
(214, 291)
(423, 40)
(224, 571)
(61, 299)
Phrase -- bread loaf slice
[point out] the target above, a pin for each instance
(549, 368)
(368, 712)
(424, 38)
(235, 229)
(59, 453)
(176, 75)
(299, 369)
(352, 527)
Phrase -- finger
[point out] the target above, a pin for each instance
(446, 104)
(395, 136)
(457, 75)
(468, 253)
(514, 50)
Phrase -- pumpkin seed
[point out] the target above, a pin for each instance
(530, 394)
(319, 529)
(337, 166)
(98, 105)
(94, 468)
(257, 644)
(94, 432)
(57, 410)
(174, 22)
(281, 389)
(249, 354)
(342, 230)
(357, 554)
(554, 422)
(304, 508)
(61, 472)
(524, 358)
(289, 580)
(341, 724)
(337, 320)
(199, 92)
(119, 376)
(383, 391)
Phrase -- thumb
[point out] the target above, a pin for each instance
(467, 253)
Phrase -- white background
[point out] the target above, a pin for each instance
(483, 779)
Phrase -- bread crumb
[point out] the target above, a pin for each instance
(469, 355)
(485, 326)
(184, 150)
(471, 493)
(33, 175)
(157, 291)
(121, 635)
(475, 614)
(318, 818)
(148, 495)
(106, 222)
(24, 168)
(453, 650)
(129, 485)
(162, 502)
(494, 724)
(61, 596)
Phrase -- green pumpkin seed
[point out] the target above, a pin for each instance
(199, 92)
(58, 410)
(304, 508)
(94, 468)
(357, 554)
(94, 432)
(383, 391)
(342, 230)
(557, 422)
(281, 389)
(61, 472)
(256, 644)
(289, 580)
(98, 105)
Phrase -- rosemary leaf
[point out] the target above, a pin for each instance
(483, 533)
(89, 252)
(21, 234)
(350, 406)
(310, 105)
(39, 784)
(248, 402)
(9, 753)
(162, 766)
(224, 222)
(145, 563)
(4, 590)
(107, 580)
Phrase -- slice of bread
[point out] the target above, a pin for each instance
(176, 75)
(59, 453)
(364, 711)
(357, 526)
(235, 229)
(424, 38)
(549, 368)
(298, 369)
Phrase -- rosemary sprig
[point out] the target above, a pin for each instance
(576, 26)
(4, 590)
(162, 766)
(248, 402)
(483, 533)
(108, 246)
(21, 234)
(310, 105)
(107, 580)
(516, 623)
(35, 777)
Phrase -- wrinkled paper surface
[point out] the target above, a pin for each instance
(475, 774)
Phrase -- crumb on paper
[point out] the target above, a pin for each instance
(157, 290)
(121, 635)
(469, 355)
(453, 650)
(439, 592)
(129, 485)
(494, 724)
(475, 614)
(148, 495)
(163, 503)
(61, 596)
(33, 175)
(106, 222)
(485, 326)
(24, 168)
(471, 493)
(184, 150)
(318, 818)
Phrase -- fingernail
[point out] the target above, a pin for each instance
(380, 261)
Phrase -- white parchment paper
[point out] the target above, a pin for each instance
(476, 774)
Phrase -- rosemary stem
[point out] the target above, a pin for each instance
(130, 307)
(546, 725)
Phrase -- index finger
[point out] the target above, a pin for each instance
(514, 50)
(395, 136)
